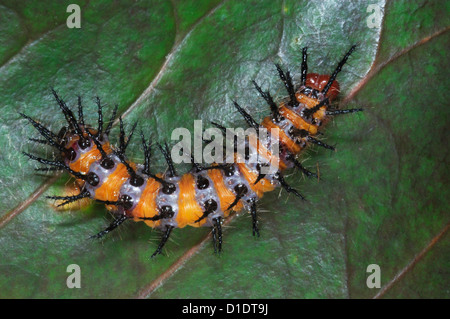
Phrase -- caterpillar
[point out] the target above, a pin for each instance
(206, 195)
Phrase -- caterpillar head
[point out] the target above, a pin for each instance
(317, 82)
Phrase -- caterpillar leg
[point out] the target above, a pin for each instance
(116, 223)
(163, 241)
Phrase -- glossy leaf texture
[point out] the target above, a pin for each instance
(382, 197)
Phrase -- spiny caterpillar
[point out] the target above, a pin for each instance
(205, 195)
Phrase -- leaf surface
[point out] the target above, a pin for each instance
(383, 196)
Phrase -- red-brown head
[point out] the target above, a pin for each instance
(318, 81)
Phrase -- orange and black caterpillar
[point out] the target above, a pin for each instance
(205, 195)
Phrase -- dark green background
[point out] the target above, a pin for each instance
(384, 193)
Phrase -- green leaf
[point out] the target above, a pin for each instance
(382, 198)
